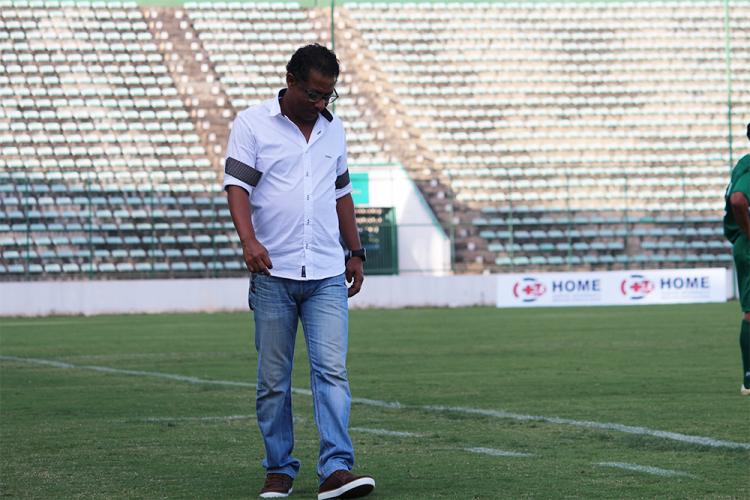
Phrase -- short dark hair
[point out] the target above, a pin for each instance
(748, 131)
(315, 57)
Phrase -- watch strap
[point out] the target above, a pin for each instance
(361, 253)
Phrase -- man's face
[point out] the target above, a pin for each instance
(309, 98)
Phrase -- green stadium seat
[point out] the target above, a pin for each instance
(590, 259)
(143, 267)
(107, 267)
(538, 260)
(197, 266)
(161, 267)
(521, 260)
(606, 259)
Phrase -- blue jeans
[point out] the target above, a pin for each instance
(322, 305)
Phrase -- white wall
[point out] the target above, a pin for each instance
(121, 296)
(423, 246)
(43, 298)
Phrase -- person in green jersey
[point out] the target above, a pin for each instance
(737, 230)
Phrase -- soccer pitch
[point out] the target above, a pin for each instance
(626, 402)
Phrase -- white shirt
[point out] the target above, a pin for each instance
(293, 186)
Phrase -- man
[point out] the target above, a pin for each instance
(737, 230)
(290, 198)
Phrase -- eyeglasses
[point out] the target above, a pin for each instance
(315, 96)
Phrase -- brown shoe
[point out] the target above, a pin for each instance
(344, 484)
(277, 486)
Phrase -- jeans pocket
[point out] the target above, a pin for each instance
(251, 293)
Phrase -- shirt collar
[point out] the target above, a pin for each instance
(275, 104)
(275, 107)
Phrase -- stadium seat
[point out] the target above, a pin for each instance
(94, 128)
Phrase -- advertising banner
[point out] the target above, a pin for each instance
(632, 287)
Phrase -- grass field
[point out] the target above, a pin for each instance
(629, 402)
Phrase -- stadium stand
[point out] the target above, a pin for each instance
(544, 135)
(250, 44)
(584, 134)
(106, 172)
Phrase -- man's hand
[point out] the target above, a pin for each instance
(355, 275)
(255, 254)
(256, 257)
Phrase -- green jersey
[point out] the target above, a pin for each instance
(740, 183)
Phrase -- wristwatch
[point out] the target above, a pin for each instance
(359, 253)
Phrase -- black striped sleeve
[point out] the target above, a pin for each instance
(242, 171)
(342, 180)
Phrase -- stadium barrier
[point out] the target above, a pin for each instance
(44, 298)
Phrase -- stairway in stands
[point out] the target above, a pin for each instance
(197, 83)
(408, 146)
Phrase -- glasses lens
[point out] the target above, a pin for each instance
(317, 96)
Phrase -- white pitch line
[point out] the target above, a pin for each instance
(498, 453)
(205, 418)
(647, 469)
(138, 373)
(629, 429)
(385, 432)
(158, 420)
(375, 402)
(197, 419)
(48, 362)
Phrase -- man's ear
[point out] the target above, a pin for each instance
(290, 80)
